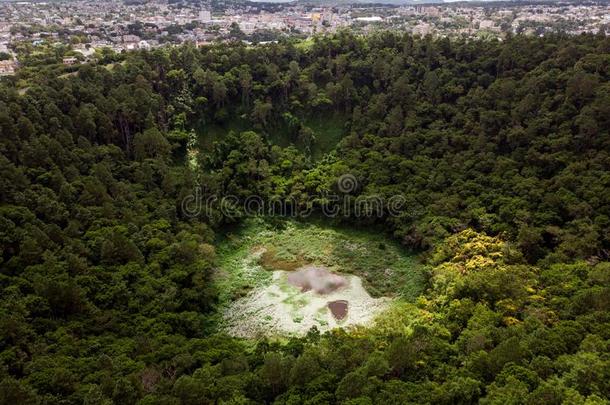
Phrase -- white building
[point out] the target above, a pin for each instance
(247, 27)
(205, 16)
(7, 67)
(70, 61)
(486, 24)
(422, 29)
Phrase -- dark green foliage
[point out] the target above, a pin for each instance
(106, 292)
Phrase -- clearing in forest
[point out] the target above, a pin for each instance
(283, 281)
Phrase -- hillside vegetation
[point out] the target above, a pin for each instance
(500, 150)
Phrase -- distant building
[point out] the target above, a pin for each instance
(203, 42)
(486, 25)
(370, 19)
(247, 27)
(422, 29)
(429, 11)
(131, 42)
(70, 61)
(7, 67)
(131, 39)
(205, 16)
(143, 45)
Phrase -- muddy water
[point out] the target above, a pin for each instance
(322, 282)
(318, 279)
(338, 309)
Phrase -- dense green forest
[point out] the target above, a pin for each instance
(500, 149)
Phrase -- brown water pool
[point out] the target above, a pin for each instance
(338, 309)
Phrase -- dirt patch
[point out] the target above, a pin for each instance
(271, 261)
(289, 307)
(318, 279)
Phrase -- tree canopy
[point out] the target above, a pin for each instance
(501, 151)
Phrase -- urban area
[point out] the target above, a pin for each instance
(75, 32)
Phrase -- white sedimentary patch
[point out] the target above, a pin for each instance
(281, 309)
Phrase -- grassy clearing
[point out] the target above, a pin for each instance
(385, 268)
(305, 44)
(328, 128)
(208, 134)
(239, 269)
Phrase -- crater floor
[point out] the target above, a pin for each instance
(295, 301)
